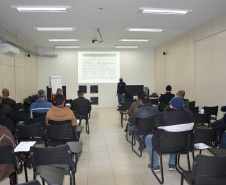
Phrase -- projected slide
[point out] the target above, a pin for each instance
(98, 67)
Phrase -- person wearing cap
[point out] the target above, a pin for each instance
(8, 101)
(175, 119)
(41, 105)
(121, 91)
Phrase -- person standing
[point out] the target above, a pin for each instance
(121, 91)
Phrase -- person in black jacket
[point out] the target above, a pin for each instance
(80, 102)
(121, 91)
(6, 111)
(175, 119)
(8, 101)
(164, 99)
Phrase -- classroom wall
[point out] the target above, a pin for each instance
(136, 67)
(195, 62)
(18, 73)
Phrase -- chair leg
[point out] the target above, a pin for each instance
(161, 181)
(43, 182)
(121, 119)
(182, 179)
(127, 134)
(87, 125)
(188, 159)
(25, 172)
(132, 144)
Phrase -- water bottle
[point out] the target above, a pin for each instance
(202, 110)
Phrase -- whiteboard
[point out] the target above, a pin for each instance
(55, 83)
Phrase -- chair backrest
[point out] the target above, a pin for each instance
(194, 109)
(209, 170)
(7, 156)
(30, 121)
(59, 134)
(68, 101)
(174, 142)
(146, 125)
(19, 105)
(53, 155)
(8, 123)
(154, 101)
(81, 110)
(211, 110)
(21, 115)
(162, 106)
(191, 104)
(65, 122)
(39, 115)
(125, 106)
(201, 118)
(33, 132)
(206, 136)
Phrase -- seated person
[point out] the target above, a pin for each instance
(59, 91)
(80, 102)
(6, 111)
(164, 99)
(133, 106)
(146, 110)
(221, 123)
(175, 119)
(60, 113)
(6, 170)
(41, 105)
(8, 101)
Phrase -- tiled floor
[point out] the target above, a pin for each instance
(107, 158)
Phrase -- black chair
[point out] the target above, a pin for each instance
(201, 118)
(20, 105)
(21, 115)
(154, 101)
(68, 101)
(9, 124)
(172, 143)
(77, 130)
(123, 110)
(34, 182)
(194, 109)
(206, 136)
(39, 115)
(47, 158)
(212, 111)
(162, 106)
(82, 112)
(191, 104)
(7, 156)
(59, 134)
(30, 121)
(220, 152)
(207, 170)
(145, 127)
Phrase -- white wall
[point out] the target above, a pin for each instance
(136, 67)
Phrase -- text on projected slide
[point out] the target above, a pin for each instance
(98, 67)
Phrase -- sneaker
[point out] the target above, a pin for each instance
(155, 168)
(171, 167)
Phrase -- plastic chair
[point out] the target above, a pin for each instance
(145, 127)
(9, 124)
(7, 156)
(208, 170)
(191, 104)
(212, 111)
(194, 109)
(39, 115)
(30, 121)
(172, 143)
(47, 158)
(201, 118)
(123, 110)
(35, 182)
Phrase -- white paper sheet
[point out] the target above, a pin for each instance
(201, 146)
(24, 146)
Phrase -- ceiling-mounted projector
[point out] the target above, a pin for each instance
(99, 39)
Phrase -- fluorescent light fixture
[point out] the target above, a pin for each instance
(145, 29)
(67, 47)
(134, 40)
(56, 29)
(62, 40)
(42, 8)
(163, 11)
(124, 47)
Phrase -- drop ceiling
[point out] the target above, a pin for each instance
(112, 16)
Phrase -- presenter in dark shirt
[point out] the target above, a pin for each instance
(121, 91)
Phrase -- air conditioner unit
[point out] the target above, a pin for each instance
(9, 49)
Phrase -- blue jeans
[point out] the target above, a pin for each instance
(148, 142)
(121, 98)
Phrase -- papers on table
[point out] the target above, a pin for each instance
(201, 146)
(24, 146)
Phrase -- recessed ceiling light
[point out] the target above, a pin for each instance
(56, 29)
(134, 40)
(145, 29)
(67, 47)
(62, 40)
(124, 47)
(163, 11)
(41, 8)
